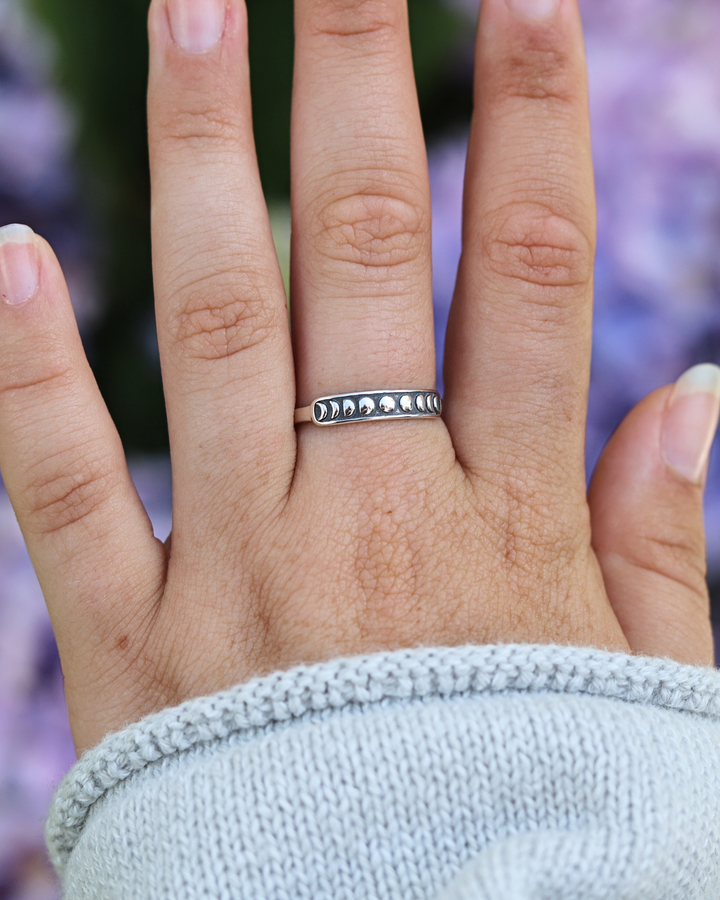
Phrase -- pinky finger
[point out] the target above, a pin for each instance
(647, 518)
(87, 532)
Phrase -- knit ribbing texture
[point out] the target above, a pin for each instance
(446, 773)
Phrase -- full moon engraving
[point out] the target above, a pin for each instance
(386, 404)
(366, 405)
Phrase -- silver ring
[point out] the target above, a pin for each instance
(371, 406)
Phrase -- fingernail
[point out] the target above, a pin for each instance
(690, 422)
(533, 10)
(19, 270)
(197, 25)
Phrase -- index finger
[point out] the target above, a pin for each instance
(518, 347)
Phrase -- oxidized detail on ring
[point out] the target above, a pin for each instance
(371, 406)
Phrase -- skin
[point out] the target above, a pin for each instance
(299, 545)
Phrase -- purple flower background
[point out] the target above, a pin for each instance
(655, 95)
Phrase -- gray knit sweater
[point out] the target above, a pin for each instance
(503, 772)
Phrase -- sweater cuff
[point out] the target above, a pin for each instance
(396, 774)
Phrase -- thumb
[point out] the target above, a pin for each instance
(647, 519)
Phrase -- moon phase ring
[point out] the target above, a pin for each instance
(371, 406)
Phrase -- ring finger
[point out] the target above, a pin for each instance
(221, 309)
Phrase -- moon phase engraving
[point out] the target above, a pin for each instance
(372, 406)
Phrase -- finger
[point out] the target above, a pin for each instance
(518, 347)
(89, 537)
(221, 309)
(361, 282)
(647, 520)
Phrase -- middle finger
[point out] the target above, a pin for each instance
(361, 283)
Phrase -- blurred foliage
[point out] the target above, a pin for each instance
(102, 66)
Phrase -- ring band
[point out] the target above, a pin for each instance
(371, 406)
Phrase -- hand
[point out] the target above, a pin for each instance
(296, 545)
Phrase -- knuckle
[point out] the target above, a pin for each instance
(199, 123)
(538, 71)
(53, 377)
(355, 18)
(217, 319)
(61, 495)
(534, 535)
(373, 231)
(537, 245)
(677, 554)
